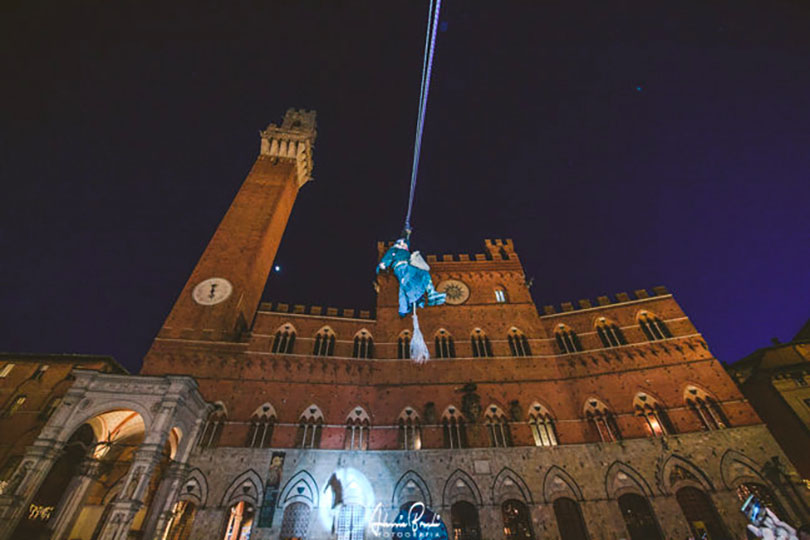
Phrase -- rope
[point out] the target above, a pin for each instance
(427, 64)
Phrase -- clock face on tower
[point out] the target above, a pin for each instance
(212, 291)
(457, 291)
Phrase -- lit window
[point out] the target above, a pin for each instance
(542, 426)
(240, 521)
(6, 370)
(39, 372)
(655, 417)
(48, 411)
(500, 296)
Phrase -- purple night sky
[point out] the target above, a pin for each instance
(621, 145)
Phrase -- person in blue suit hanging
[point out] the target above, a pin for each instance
(415, 288)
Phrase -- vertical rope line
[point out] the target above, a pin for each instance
(427, 64)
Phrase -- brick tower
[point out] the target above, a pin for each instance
(221, 296)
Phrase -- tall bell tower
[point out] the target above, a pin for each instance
(220, 298)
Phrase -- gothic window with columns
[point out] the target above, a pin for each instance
(602, 421)
(518, 344)
(653, 327)
(705, 408)
(653, 414)
(324, 342)
(500, 436)
(15, 405)
(310, 426)
(240, 521)
(567, 340)
(212, 430)
(542, 426)
(609, 333)
(455, 432)
(363, 345)
(284, 340)
(410, 429)
(357, 430)
(481, 347)
(404, 345)
(262, 421)
(445, 348)
(517, 523)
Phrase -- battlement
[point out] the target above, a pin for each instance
(496, 250)
(601, 301)
(294, 140)
(315, 311)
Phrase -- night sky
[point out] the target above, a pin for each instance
(620, 144)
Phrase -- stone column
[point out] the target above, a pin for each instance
(25, 482)
(130, 500)
(161, 510)
(68, 509)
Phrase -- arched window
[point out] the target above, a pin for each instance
(295, 523)
(351, 522)
(464, 520)
(765, 495)
(639, 517)
(50, 408)
(240, 521)
(444, 345)
(609, 333)
(262, 421)
(179, 526)
(542, 426)
(567, 340)
(517, 524)
(284, 340)
(700, 513)
(569, 519)
(410, 429)
(455, 432)
(357, 430)
(705, 408)
(654, 415)
(212, 429)
(480, 344)
(363, 345)
(310, 426)
(518, 343)
(500, 295)
(500, 435)
(652, 326)
(602, 421)
(324, 342)
(404, 345)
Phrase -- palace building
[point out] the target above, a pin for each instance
(605, 419)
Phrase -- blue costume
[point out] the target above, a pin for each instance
(414, 282)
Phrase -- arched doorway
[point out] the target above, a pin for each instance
(700, 513)
(517, 523)
(464, 517)
(569, 519)
(639, 517)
